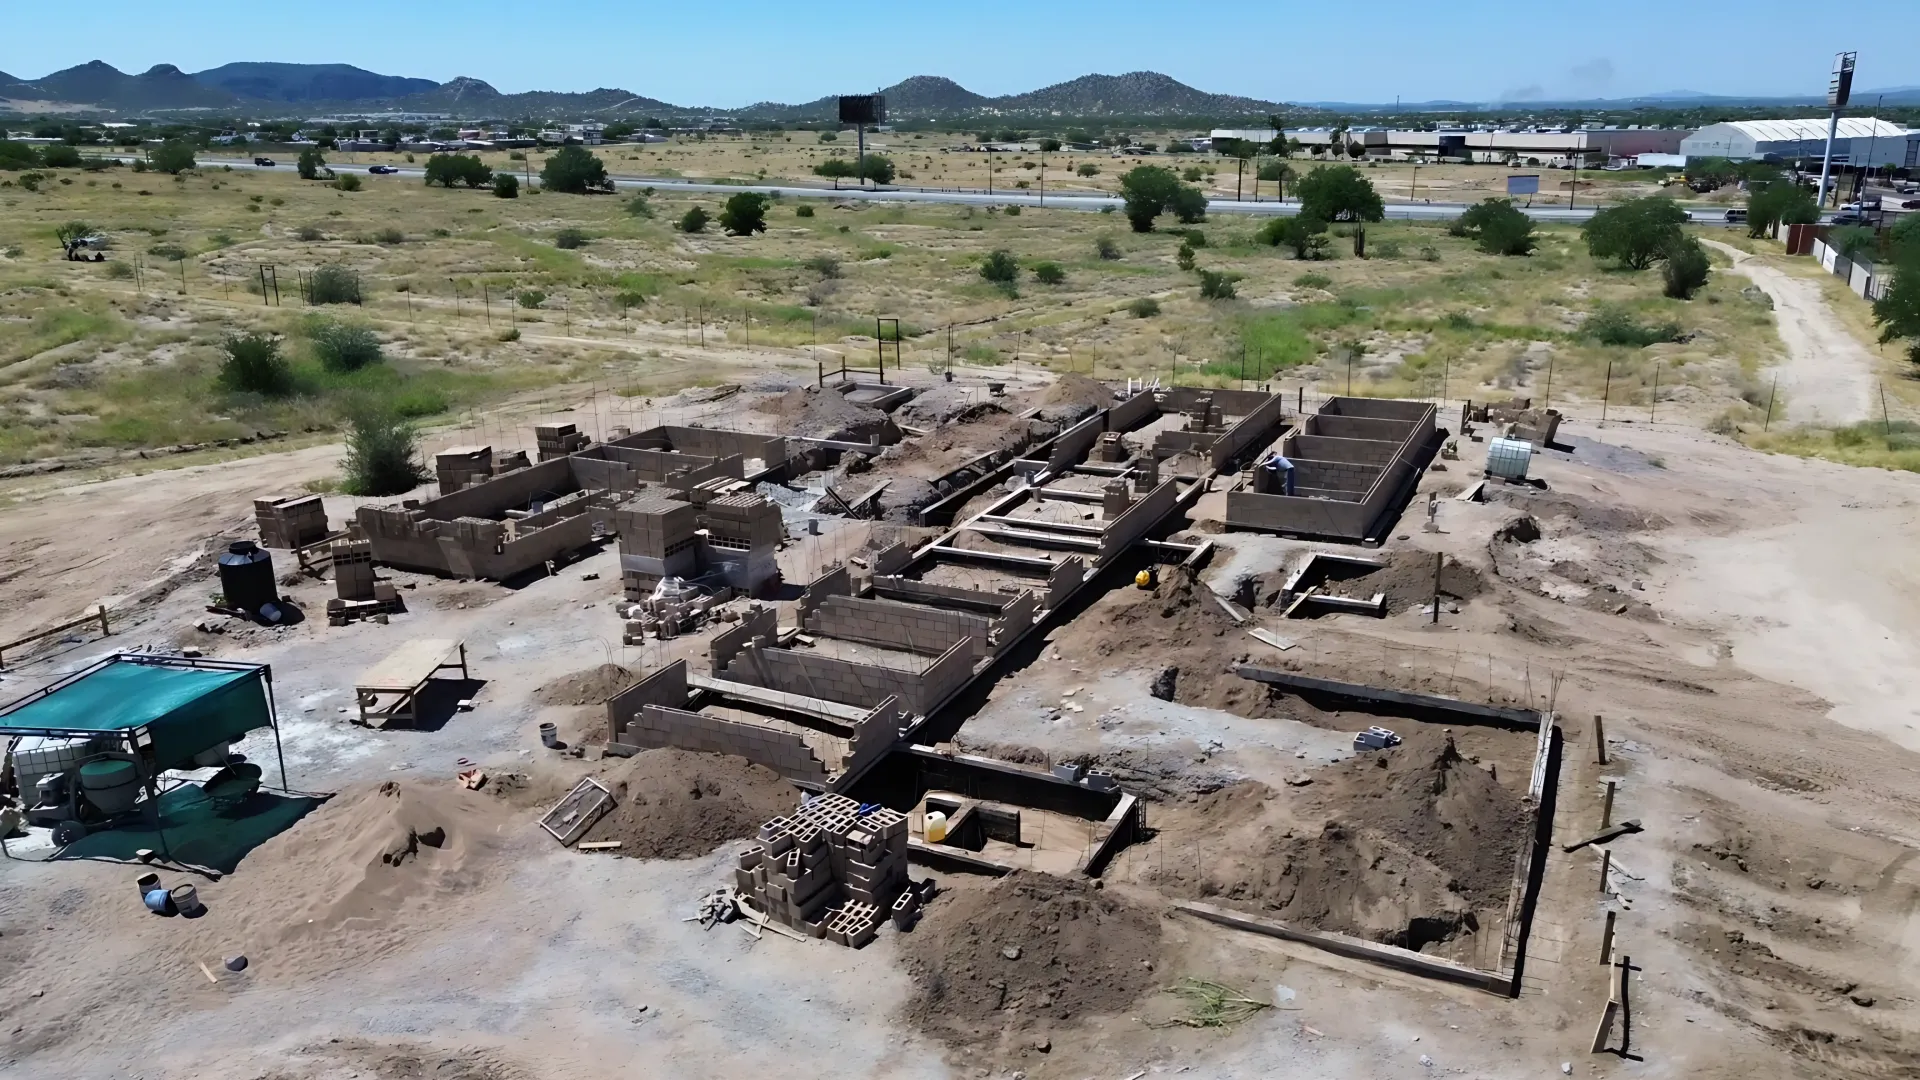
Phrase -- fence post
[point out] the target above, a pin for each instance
(104, 631)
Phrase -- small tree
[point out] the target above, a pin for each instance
(341, 346)
(253, 365)
(1087, 168)
(1498, 228)
(1144, 308)
(1779, 203)
(1338, 193)
(1049, 146)
(1215, 285)
(834, 168)
(745, 214)
(72, 237)
(310, 163)
(1149, 191)
(569, 239)
(60, 156)
(1188, 205)
(506, 186)
(1898, 311)
(1637, 232)
(574, 171)
(694, 220)
(1000, 268)
(333, 284)
(1183, 258)
(877, 168)
(1852, 241)
(18, 155)
(173, 156)
(448, 169)
(383, 452)
(1305, 234)
(1106, 248)
(1687, 268)
(1049, 273)
(346, 182)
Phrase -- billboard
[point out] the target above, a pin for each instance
(865, 109)
(1840, 87)
(1524, 185)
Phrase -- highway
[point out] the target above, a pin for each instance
(1395, 211)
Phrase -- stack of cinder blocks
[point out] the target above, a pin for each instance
(558, 440)
(292, 521)
(829, 871)
(353, 569)
(460, 467)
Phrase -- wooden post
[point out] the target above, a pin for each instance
(1439, 561)
(1606, 868)
(1599, 740)
(1606, 807)
(1606, 939)
(104, 631)
(1616, 997)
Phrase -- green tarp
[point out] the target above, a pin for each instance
(186, 709)
(190, 829)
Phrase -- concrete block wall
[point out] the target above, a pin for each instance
(1141, 517)
(1132, 412)
(720, 442)
(835, 582)
(666, 687)
(1170, 443)
(849, 683)
(510, 492)
(926, 592)
(1066, 576)
(1378, 408)
(783, 750)
(875, 735)
(1014, 619)
(891, 559)
(1335, 476)
(531, 550)
(1322, 448)
(1256, 427)
(758, 622)
(1294, 514)
(891, 624)
(1355, 427)
(1074, 444)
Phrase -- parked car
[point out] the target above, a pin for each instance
(263, 162)
(1908, 187)
(1869, 203)
(1848, 217)
(382, 170)
(1737, 215)
(1908, 204)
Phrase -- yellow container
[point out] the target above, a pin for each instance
(936, 827)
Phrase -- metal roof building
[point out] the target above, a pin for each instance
(1857, 139)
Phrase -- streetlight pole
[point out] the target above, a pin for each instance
(1839, 88)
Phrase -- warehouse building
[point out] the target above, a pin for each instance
(1858, 143)
(1521, 146)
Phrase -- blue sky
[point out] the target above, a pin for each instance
(752, 50)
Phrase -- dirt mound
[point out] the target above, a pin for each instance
(676, 804)
(1408, 581)
(1028, 951)
(1180, 634)
(820, 413)
(1075, 396)
(590, 687)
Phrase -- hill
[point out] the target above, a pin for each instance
(1137, 93)
(162, 86)
(308, 82)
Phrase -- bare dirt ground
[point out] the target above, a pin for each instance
(1743, 621)
(1828, 375)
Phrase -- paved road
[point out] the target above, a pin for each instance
(1421, 211)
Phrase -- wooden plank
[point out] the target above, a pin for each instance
(1525, 719)
(598, 845)
(806, 706)
(1412, 963)
(406, 667)
(1273, 639)
(1473, 493)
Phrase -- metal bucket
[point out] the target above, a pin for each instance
(186, 900)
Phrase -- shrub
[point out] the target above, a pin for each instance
(342, 347)
(1306, 235)
(569, 239)
(60, 156)
(825, 265)
(119, 271)
(1636, 232)
(1144, 308)
(346, 182)
(1215, 286)
(253, 365)
(173, 156)
(1088, 169)
(1106, 248)
(573, 171)
(333, 284)
(694, 220)
(1049, 273)
(506, 186)
(1429, 253)
(999, 268)
(1193, 175)
(1497, 227)
(1312, 280)
(1011, 211)
(390, 236)
(1617, 326)
(516, 155)
(640, 206)
(1184, 257)
(803, 210)
(1194, 237)
(1852, 241)
(1686, 270)
(1387, 249)
(383, 452)
(511, 333)
(169, 252)
(744, 214)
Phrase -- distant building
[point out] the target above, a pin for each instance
(1482, 143)
(1858, 142)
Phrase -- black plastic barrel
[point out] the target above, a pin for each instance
(246, 577)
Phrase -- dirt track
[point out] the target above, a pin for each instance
(1828, 375)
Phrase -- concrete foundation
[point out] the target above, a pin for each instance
(1354, 463)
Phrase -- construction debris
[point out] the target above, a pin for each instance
(576, 811)
(829, 870)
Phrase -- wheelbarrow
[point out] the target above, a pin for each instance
(230, 786)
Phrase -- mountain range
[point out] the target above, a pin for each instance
(278, 89)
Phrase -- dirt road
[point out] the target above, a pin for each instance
(1828, 376)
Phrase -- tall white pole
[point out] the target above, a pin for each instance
(1826, 162)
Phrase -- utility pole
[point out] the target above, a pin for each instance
(1839, 89)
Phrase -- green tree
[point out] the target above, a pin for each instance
(60, 156)
(1636, 233)
(1304, 233)
(71, 235)
(1904, 238)
(1216, 286)
(18, 155)
(1898, 312)
(448, 169)
(173, 156)
(506, 186)
(253, 365)
(1000, 268)
(310, 163)
(1781, 202)
(1149, 191)
(333, 284)
(835, 168)
(745, 214)
(572, 170)
(1498, 228)
(1687, 268)
(877, 168)
(1049, 146)
(342, 346)
(1852, 241)
(1087, 168)
(1049, 273)
(569, 239)
(1183, 258)
(383, 452)
(1338, 193)
(694, 220)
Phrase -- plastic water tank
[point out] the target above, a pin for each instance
(111, 786)
(1509, 458)
(246, 577)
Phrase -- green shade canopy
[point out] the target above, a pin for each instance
(185, 708)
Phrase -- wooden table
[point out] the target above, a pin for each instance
(389, 689)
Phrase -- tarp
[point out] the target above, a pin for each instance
(185, 709)
(191, 829)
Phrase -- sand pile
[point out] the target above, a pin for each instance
(1028, 951)
(1074, 396)
(1183, 639)
(676, 804)
(820, 413)
(590, 687)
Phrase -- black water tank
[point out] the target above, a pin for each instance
(246, 577)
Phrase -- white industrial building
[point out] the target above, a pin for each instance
(1858, 143)
(1535, 146)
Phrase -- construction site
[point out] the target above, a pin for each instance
(942, 726)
